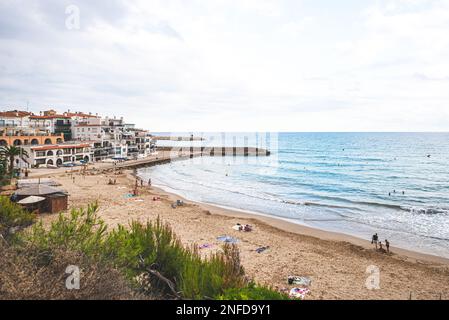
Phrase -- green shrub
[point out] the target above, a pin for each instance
(155, 246)
(81, 230)
(202, 278)
(143, 247)
(13, 216)
(252, 292)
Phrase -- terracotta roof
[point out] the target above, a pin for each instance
(15, 114)
(87, 125)
(50, 117)
(60, 146)
(80, 114)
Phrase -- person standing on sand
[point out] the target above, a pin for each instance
(149, 182)
(387, 245)
(375, 239)
(381, 249)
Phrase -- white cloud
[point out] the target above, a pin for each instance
(233, 65)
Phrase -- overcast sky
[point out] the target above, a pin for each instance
(224, 65)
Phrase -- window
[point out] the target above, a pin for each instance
(40, 153)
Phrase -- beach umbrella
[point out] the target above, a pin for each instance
(31, 200)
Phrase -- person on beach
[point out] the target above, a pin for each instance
(387, 245)
(381, 249)
(149, 182)
(375, 239)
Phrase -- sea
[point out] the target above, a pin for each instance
(395, 184)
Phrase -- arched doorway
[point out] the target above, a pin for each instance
(59, 162)
(49, 153)
(86, 159)
(59, 140)
(34, 142)
(47, 141)
(50, 162)
(17, 142)
(3, 143)
(59, 153)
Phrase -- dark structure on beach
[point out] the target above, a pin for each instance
(55, 200)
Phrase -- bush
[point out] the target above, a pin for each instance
(12, 217)
(143, 249)
(252, 292)
(81, 230)
(155, 246)
(23, 276)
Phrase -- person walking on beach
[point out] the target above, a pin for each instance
(149, 182)
(387, 245)
(375, 239)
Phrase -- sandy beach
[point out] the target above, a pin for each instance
(336, 263)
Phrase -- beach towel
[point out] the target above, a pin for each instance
(237, 227)
(262, 249)
(302, 281)
(298, 293)
(227, 239)
(128, 195)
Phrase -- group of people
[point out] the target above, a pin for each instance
(378, 244)
(394, 191)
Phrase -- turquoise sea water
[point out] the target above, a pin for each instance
(396, 184)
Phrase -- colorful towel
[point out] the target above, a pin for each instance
(298, 293)
(227, 239)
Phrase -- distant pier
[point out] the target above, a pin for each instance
(169, 154)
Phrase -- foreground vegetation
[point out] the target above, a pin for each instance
(146, 260)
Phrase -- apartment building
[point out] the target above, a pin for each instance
(59, 154)
(14, 119)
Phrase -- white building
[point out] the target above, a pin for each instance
(15, 119)
(59, 154)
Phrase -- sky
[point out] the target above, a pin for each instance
(232, 65)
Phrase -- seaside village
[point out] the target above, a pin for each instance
(51, 140)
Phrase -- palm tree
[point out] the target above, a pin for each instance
(10, 153)
(2, 169)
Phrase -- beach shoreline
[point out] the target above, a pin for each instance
(336, 263)
(284, 224)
